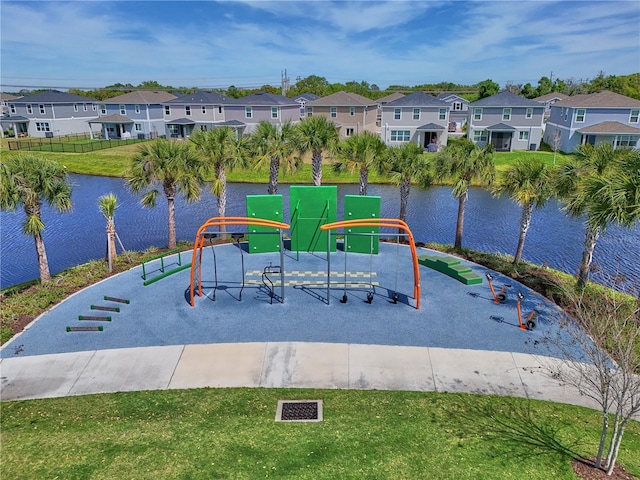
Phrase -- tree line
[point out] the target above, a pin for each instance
(628, 85)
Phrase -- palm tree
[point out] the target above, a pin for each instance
(223, 150)
(528, 183)
(462, 161)
(173, 165)
(107, 205)
(317, 134)
(362, 152)
(603, 184)
(274, 146)
(407, 164)
(30, 180)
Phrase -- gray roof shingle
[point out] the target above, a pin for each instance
(506, 99)
(54, 96)
(201, 97)
(417, 99)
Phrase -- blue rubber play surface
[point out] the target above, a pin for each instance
(451, 314)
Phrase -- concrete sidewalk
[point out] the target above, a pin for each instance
(286, 365)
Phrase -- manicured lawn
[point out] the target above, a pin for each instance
(231, 433)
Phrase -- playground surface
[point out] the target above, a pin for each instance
(458, 340)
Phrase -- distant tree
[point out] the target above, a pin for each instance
(30, 180)
(174, 166)
(545, 85)
(152, 85)
(233, 92)
(274, 146)
(528, 183)
(361, 88)
(107, 205)
(486, 88)
(375, 88)
(311, 84)
(560, 86)
(362, 152)
(528, 91)
(461, 162)
(515, 88)
(316, 135)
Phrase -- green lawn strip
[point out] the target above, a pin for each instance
(231, 433)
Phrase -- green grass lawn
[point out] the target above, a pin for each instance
(231, 433)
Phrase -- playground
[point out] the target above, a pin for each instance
(316, 279)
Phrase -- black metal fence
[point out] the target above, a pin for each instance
(82, 143)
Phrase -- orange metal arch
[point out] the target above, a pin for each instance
(386, 222)
(198, 243)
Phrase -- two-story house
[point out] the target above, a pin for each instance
(604, 117)
(138, 114)
(303, 99)
(201, 109)
(507, 121)
(249, 111)
(10, 127)
(350, 112)
(418, 117)
(549, 99)
(51, 113)
(459, 111)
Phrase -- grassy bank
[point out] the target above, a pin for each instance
(231, 433)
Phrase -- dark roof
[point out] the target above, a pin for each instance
(430, 127)
(342, 99)
(201, 97)
(146, 97)
(181, 121)
(14, 119)
(265, 99)
(611, 128)
(306, 96)
(54, 96)
(551, 96)
(115, 118)
(231, 123)
(417, 99)
(505, 99)
(451, 97)
(501, 127)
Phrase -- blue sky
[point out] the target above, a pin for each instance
(89, 44)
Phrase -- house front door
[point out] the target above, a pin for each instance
(501, 141)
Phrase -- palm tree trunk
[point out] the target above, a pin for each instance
(590, 240)
(525, 222)
(316, 163)
(221, 174)
(364, 180)
(111, 242)
(462, 202)
(43, 264)
(274, 167)
(171, 221)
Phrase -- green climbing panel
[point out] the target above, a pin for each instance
(357, 207)
(267, 207)
(312, 207)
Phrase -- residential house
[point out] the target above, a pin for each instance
(247, 112)
(507, 121)
(604, 117)
(51, 113)
(303, 99)
(384, 100)
(137, 114)
(8, 126)
(458, 112)
(201, 109)
(549, 99)
(352, 113)
(418, 117)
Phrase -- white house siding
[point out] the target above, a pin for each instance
(407, 122)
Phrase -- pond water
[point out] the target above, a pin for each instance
(491, 224)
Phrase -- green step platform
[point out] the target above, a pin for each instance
(452, 267)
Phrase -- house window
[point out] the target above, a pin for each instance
(94, 107)
(626, 141)
(480, 136)
(174, 129)
(416, 114)
(42, 127)
(397, 114)
(348, 132)
(203, 128)
(75, 107)
(529, 113)
(103, 109)
(187, 111)
(29, 108)
(13, 108)
(635, 114)
(167, 110)
(42, 110)
(248, 112)
(274, 112)
(123, 110)
(457, 105)
(442, 114)
(524, 135)
(400, 135)
(334, 112)
(566, 114)
(138, 127)
(84, 107)
(352, 111)
(506, 114)
(220, 109)
(137, 108)
(309, 111)
(581, 113)
(204, 110)
(477, 114)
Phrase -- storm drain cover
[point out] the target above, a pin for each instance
(299, 411)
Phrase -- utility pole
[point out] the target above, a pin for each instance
(284, 82)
